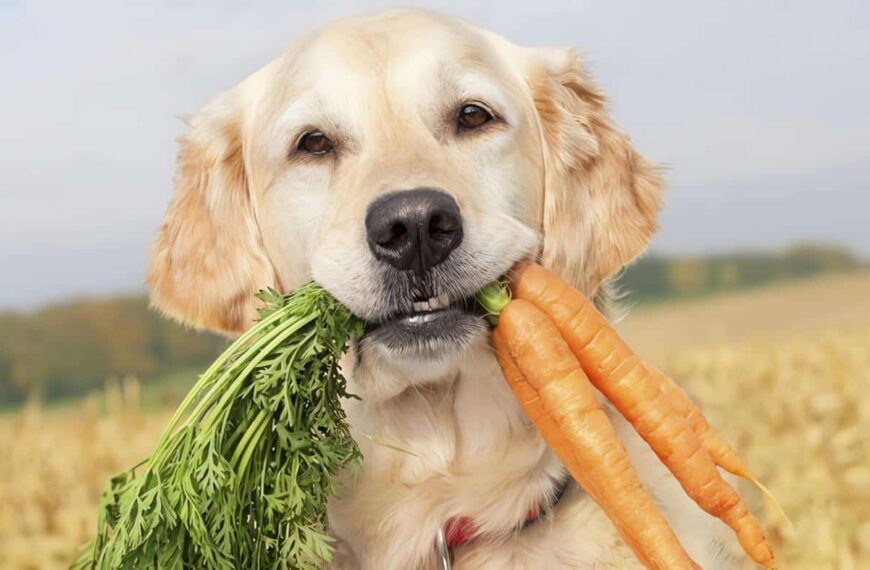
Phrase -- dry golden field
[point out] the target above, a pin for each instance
(784, 371)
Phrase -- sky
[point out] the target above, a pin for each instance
(760, 111)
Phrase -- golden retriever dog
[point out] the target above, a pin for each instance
(403, 160)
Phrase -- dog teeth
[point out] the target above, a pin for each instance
(442, 301)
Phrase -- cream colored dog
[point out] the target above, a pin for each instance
(402, 161)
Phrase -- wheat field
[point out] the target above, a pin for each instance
(783, 371)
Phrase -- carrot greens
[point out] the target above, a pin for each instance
(241, 475)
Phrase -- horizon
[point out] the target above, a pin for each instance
(760, 113)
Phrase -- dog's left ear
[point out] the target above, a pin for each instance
(601, 196)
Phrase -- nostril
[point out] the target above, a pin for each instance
(394, 236)
(440, 224)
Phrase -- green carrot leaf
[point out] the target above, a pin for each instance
(242, 473)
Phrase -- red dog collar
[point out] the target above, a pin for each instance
(459, 530)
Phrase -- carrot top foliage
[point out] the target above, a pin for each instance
(241, 475)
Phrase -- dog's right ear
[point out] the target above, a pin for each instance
(208, 261)
(601, 197)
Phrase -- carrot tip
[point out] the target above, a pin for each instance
(772, 499)
(744, 473)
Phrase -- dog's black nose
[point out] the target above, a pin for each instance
(414, 229)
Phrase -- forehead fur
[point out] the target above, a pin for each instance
(373, 41)
(389, 53)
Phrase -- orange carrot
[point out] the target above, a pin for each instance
(557, 396)
(660, 412)
(722, 453)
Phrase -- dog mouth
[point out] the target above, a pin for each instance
(428, 325)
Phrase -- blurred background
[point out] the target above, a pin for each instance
(755, 295)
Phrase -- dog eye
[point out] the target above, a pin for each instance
(473, 116)
(315, 142)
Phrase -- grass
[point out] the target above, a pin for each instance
(53, 465)
(799, 412)
(784, 371)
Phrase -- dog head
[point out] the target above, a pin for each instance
(402, 161)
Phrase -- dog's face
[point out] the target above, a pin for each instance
(402, 180)
(402, 161)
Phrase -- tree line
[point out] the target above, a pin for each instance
(657, 278)
(73, 347)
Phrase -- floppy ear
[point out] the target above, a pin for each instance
(207, 260)
(601, 196)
